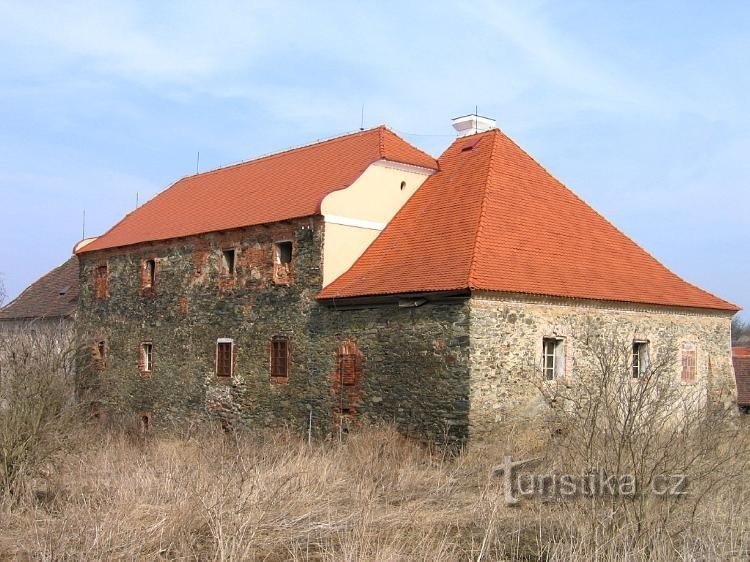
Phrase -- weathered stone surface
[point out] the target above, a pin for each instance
(506, 347)
(415, 361)
(440, 371)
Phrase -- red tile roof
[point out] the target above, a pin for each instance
(51, 296)
(741, 362)
(272, 188)
(493, 219)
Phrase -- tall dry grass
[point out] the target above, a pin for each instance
(273, 496)
(82, 491)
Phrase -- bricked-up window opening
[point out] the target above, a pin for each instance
(228, 261)
(553, 358)
(145, 420)
(101, 354)
(280, 357)
(640, 358)
(349, 363)
(101, 288)
(147, 357)
(149, 274)
(224, 357)
(689, 363)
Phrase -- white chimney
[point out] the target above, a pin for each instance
(473, 124)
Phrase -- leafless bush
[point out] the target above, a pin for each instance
(36, 400)
(665, 435)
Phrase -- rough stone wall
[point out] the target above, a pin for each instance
(414, 361)
(506, 347)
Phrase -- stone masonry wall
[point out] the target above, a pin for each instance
(414, 368)
(506, 347)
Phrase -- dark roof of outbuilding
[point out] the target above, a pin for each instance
(52, 296)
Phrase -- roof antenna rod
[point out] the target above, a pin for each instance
(83, 226)
(136, 199)
(362, 119)
(197, 161)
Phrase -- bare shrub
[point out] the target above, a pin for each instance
(680, 445)
(37, 410)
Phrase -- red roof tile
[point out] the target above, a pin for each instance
(493, 219)
(280, 186)
(51, 296)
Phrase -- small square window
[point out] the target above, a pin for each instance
(640, 360)
(553, 356)
(147, 358)
(283, 252)
(228, 261)
(224, 357)
(148, 279)
(280, 357)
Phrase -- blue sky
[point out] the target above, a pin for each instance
(639, 107)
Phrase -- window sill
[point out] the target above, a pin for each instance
(280, 380)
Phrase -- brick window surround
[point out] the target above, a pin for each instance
(280, 359)
(224, 357)
(146, 358)
(349, 363)
(101, 281)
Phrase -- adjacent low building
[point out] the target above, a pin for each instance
(51, 302)
(360, 279)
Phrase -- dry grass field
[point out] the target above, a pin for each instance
(71, 488)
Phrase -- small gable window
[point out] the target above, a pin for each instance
(224, 357)
(280, 358)
(640, 358)
(553, 356)
(146, 361)
(228, 261)
(689, 363)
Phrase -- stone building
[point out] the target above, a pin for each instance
(359, 279)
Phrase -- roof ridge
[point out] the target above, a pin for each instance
(610, 223)
(470, 279)
(270, 155)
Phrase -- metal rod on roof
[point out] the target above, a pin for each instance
(197, 161)
(83, 227)
(362, 119)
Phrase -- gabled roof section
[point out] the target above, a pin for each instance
(52, 296)
(281, 186)
(493, 219)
